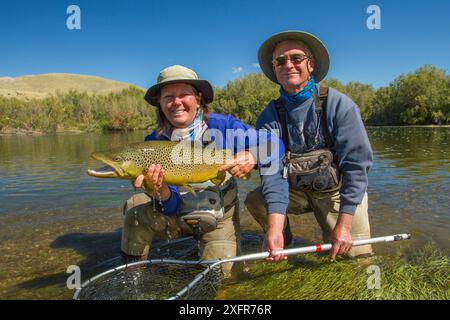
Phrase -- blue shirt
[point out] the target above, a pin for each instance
(218, 125)
(349, 139)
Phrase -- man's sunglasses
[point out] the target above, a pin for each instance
(295, 58)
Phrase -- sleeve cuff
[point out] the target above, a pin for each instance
(276, 207)
(348, 208)
(169, 207)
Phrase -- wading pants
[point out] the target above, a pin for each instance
(325, 206)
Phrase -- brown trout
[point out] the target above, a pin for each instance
(184, 162)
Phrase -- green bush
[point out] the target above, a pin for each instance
(125, 110)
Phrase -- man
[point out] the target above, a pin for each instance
(328, 152)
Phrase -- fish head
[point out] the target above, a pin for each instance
(118, 165)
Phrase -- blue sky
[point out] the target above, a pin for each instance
(133, 40)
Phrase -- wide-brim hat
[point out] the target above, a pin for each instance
(179, 74)
(317, 48)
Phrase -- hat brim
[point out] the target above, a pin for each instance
(203, 86)
(317, 48)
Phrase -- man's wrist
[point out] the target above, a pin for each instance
(345, 219)
(276, 221)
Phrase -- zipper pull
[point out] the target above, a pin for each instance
(285, 171)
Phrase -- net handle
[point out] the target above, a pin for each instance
(263, 255)
(316, 248)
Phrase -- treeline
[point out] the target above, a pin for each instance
(418, 98)
(123, 110)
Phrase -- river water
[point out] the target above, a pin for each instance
(53, 215)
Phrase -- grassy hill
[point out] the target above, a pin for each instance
(37, 104)
(41, 86)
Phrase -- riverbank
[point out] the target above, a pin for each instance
(414, 126)
(22, 132)
(29, 132)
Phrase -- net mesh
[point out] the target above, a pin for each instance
(153, 281)
(156, 280)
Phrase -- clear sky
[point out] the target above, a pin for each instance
(132, 40)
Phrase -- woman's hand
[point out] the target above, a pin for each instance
(242, 164)
(154, 176)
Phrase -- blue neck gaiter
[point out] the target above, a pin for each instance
(299, 97)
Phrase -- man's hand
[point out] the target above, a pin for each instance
(341, 238)
(154, 175)
(274, 240)
(242, 164)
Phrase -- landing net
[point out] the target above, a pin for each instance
(152, 280)
(172, 267)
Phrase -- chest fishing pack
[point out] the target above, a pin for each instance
(202, 212)
(315, 170)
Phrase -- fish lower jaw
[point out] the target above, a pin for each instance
(105, 172)
(96, 174)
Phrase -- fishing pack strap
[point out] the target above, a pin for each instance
(281, 112)
(321, 110)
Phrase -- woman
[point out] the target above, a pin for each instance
(182, 102)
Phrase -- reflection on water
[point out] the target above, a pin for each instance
(52, 214)
(410, 182)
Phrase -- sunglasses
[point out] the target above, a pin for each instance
(295, 58)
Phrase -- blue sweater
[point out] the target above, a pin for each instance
(218, 125)
(349, 138)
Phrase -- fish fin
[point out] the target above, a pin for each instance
(189, 188)
(148, 186)
(219, 179)
(247, 176)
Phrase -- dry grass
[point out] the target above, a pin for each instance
(41, 86)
